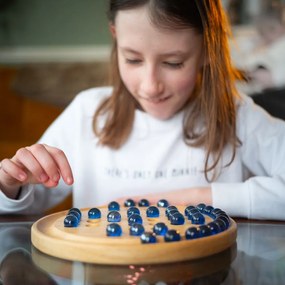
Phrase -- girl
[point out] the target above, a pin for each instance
(172, 126)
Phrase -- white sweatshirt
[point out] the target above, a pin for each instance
(155, 159)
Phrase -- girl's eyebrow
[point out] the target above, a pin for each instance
(166, 54)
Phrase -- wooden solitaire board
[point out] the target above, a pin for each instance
(88, 242)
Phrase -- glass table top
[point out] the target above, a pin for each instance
(258, 257)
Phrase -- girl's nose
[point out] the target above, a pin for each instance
(151, 84)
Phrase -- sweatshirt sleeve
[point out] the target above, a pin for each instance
(262, 196)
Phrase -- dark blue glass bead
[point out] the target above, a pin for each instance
(114, 206)
(177, 219)
(162, 203)
(190, 207)
(221, 224)
(216, 211)
(136, 229)
(208, 210)
(192, 233)
(113, 230)
(114, 216)
(198, 219)
(191, 212)
(171, 213)
(214, 227)
(71, 221)
(160, 229)
(94, 213)
(172, 235)
(77, 210)
(169, 208)
(143, 203)
(148, 237)
(135, 218)
(152, 212)
(225, 219)
(205, 231)
(75, 213)
(201, 206)
(133, 210)
(129, 203)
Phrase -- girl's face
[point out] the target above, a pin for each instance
(158, 66)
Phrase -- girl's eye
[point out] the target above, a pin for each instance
(133, 61)
(174, 64)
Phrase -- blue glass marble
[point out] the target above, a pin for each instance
(192, 233)
(214, 227)
(135, 218)
(208, 210)
(77, 210)
(114, 206)
(177, 219)
(160, 229)
(71, 221)
(191, 212)
(94, 213)
(217, 210)
(148, 237)
(162, 203)
(225, 219)
(169, 208)
(133, 210)
(172, 235)
(75, 213)
(136, 229)
(205, 231)
(143, 203)
(198, 219)
(113, 230)
(221, 224)
(152, 212)
(188, 208)
(114, 216)
(171, 213)
(129, 203)
(201, 206)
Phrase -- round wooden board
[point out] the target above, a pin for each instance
(88, 242)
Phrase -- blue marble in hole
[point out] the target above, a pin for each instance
(201, 206)
(77, 210)
(177, 219)
(192, 233)
(172, 235)
(214, 227)
(162, 203)
(148, 237)
(94, 213)
(225, 219)
(192, 212)
(143, 203)
(133, 210)
(221, 224)
(129, 203)
(114, 206)
(208, 210)
(114, 216)
(160, 229)
(188, 208)
(75, 213)
(136, 229)
(152, 212)
(113, 230)
(205, 231)
(198, 219)
(135, 218)
(71, 221)
(169, 208)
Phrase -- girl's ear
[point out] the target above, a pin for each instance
(112, 30)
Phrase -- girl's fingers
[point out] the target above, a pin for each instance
(62, 163)
(13, 170)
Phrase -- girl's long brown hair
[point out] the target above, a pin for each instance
(213, 100)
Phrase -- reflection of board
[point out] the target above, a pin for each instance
(88, 241)
(208, 270)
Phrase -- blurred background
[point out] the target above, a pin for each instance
(51, 50)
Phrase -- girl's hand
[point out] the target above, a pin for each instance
(35, 164)
(190, 196)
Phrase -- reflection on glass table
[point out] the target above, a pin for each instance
(257, 258)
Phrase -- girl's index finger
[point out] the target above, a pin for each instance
(62, 164)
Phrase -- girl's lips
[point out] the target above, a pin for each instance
(156, 100)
